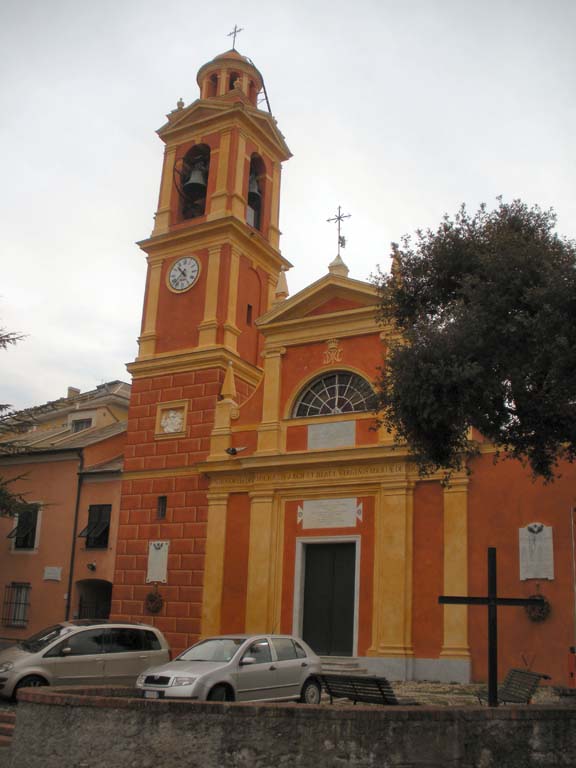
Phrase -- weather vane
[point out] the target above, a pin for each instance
(233, 34)
(339, 217)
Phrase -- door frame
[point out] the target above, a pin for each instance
(299, 571)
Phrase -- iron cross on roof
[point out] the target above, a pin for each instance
(339, 217)
(492, 601)
(233, 34)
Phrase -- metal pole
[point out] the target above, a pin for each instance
(573, 552)
(492, 630)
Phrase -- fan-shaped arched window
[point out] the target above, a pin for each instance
(333, 393)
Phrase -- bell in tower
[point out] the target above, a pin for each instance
(191, 177)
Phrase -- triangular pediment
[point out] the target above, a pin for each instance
(206, 112)
(329, 296)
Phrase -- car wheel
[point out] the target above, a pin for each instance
(311, 692)
(30, 681)
(220, 693)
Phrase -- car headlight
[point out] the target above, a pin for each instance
(140, 680)
(183, 680)
(6, 666)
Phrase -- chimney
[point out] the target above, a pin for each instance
(72, 393)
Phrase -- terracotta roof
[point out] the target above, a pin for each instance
(90, 436)
(113, 465)
(64, 439)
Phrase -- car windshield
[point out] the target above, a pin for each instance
(41, 639)
(218, 649)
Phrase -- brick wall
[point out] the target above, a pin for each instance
(167, 469)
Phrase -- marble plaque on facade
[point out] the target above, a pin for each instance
(336, 434)
(52, 573)
(157, 561)
(329, 513)
(536, 552)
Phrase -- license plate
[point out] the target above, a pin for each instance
(151, 694)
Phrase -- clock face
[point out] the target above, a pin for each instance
(183, 273)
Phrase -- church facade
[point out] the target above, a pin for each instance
(259, 494)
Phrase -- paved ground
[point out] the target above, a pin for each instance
(439, 694)
(460, 695)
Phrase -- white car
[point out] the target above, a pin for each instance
(85, 652)
(239, 668)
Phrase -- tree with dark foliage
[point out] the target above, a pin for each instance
(485, 314)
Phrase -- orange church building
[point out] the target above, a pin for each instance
(258, 493)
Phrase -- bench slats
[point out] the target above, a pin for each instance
(519, 687)
(370, 690)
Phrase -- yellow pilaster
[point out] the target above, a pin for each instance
(262, 559)
(207, 328)
(147, 340)
(162, 217)
(393, 555)
(455, 640)
(274, 232)
(214, 569)
(231, 330)
(269, 430)
(272, 283)
(220, 196)
(223, 83)
(238, 196)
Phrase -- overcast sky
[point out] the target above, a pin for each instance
(397, 110)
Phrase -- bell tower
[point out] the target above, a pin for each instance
(213, 268)
(219, 207)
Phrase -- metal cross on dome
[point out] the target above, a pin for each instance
(339, 217)
(233, 34)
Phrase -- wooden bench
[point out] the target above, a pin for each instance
(369, 690)
(519, 687)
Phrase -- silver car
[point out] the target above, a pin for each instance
(81, 653)
(239, 668)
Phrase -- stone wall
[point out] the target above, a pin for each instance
(102, 727)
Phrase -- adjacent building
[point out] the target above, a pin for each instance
(57, 556)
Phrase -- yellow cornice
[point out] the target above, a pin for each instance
(363, 468)
(194, 359)
(293, 461)
(302, 330)
(208, 234)
(146, 474)
(225, 115)
(317, 293)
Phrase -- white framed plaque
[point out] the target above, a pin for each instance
(329, 513)
(536, 552)
(157, 562)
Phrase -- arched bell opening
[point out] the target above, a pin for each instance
(191, 177)
(232, 77)
(256, 183)
(94, 598)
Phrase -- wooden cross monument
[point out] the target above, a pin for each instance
(492, 601)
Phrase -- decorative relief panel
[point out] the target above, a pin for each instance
(333, 352)
(329, 513)
(536, 552)
(171, 419)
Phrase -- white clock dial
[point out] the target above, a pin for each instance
(183, 273)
